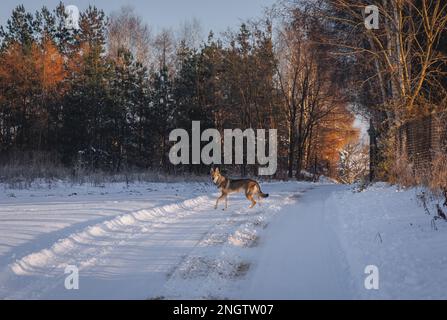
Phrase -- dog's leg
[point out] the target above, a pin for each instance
(259, 199)
(218, 200)
(250, 197)
(217, 203)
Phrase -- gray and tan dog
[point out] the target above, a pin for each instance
(228, 186)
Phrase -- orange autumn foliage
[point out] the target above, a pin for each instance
(30, 78)
(17, 72)
(49, 65)
(334, 133)
(41, 67)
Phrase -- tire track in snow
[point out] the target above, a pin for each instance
(213, 266)
(85, 248)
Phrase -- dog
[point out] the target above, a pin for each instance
(228, 186)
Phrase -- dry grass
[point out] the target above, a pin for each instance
(438, 174)
(401, 172)
(23, 169)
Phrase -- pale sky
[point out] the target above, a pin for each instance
(212, 14)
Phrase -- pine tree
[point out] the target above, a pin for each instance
(19, 28)
(84, 118)
(19, 80)
(67, 40)
(141, 120)
(163, 112)
(127, 111)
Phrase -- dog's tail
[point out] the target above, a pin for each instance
(260, 193)
(263, 195)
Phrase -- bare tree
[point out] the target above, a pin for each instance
(128, 31)
(164, 47)
(305, 76)
(408, 67)
(190, 33)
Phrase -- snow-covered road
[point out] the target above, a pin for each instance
(166, 241)
(302, 255)
(136, 245)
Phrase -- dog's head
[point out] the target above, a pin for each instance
(215, 175)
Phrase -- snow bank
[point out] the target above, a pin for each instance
(388, 228)
(58, 256)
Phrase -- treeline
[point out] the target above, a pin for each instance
(107, 95)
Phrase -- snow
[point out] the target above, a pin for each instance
(166, 241)
(304, 259)
(386, 227)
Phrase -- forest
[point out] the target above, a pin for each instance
(105, 96)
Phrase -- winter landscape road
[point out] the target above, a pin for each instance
(166, 241)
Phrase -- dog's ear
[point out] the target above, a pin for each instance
(217, 170)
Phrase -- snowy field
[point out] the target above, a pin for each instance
(166, 241)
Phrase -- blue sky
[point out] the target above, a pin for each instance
(212, 14)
